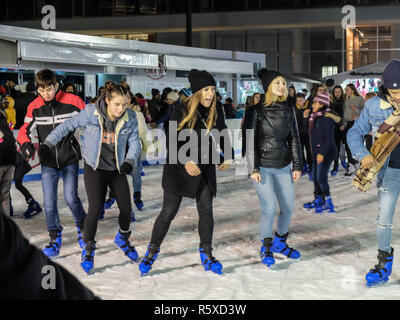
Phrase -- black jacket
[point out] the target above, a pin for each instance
(299, 117)
(22, 270)
(45, 117)
(8, 149)
(175, 179)
(275, 136)
(244, 127)
(21, 107)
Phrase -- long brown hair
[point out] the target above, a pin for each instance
(190, 115)
(271, 98)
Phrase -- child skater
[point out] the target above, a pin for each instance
(195, 176)
(111, 148)
(321, 126)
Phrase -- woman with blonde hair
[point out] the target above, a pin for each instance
(271, 149)
(192, 175)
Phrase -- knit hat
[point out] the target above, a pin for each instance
(391, 75)
(173, 96)
(154, 92)
(266, 76)
(200, 79)
(323, 98)
(186, 92)
(141, 102)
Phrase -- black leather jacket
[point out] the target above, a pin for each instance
(276, 138)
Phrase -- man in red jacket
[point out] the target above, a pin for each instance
(44, 114)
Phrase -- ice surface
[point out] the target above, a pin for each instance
(337, 249)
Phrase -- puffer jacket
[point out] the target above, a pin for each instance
(275, 136)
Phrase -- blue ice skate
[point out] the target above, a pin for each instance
(149, 258)
(108, 203)
(87, 263)
(138, 201)
(381, 272)
(327, 206)
(267, 257)
(208, 261)
(52, 249)
(311, 205)
(122, 241)
(80, 238)
(279, 245)
(33, 209)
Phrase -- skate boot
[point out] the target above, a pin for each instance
(108, 203)
(133, 219)
(52, 249)
(142, 173)
(310, 176)
(138, 201)
(334, 171)
(208, 261)
(279, 245)
(33, 208)
(87, 263)
(101, 216)
(305, 170)
(345, 165)
(149, 258)
(267, 257)
(327, 206)
(122, 241)
(380, 274)
(311, 205)
(79, 228)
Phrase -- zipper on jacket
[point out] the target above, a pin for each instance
(52, 111)
(76, 154)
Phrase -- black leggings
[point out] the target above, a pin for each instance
(307, 156)
(350, 159)
(96, 183)
(21, 170)
(171, 203)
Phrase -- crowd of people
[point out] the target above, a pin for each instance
(286, 135)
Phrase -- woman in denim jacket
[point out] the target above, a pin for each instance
(111, 148)
(375, 112)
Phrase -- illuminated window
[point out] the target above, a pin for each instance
(329, 71)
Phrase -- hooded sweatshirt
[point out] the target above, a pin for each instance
(107, 161)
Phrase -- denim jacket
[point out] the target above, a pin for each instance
(376, 110)
(126, 133)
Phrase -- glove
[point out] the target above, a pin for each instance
(27, 150)
(126, 168)
(44, 151)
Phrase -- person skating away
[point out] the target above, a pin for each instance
(353, 105)
(51, 108)
(381, 114)
(272, 148)
(111, 148)
(321, 124)
(193, 175)
(8, 160)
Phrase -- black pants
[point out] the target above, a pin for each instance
(171, 203)
(350, 159)
(21, 170)
(305, 145)
(96, 183)
(340, 138)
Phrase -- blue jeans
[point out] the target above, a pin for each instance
(50, 177)
(136, 175)
(275, 183)
(320, 177)
(388, 194)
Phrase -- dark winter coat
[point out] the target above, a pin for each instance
(244, 127)
(299, 117)
(276, 138)
(8, 149)
(22, 270)
(322, 137)
(175, 178)
(21, 107)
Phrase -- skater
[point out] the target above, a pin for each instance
(321, 126)
(271, 149)
(255, 99)
(110, 130)
(46, 112)
(195, 176)
(381, 114)
(8, 160)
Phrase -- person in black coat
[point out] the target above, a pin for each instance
(271, 149)
(8, 161)
(27, 274)
(22, 102)
(321, 126)
(192, 173)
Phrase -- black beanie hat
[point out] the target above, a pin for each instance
(391, 75)
(154, 92)
(200, 79)
(266, 76)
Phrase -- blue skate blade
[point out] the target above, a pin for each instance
(377, 284)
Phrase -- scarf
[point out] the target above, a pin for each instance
(313, 117)
(386, 140)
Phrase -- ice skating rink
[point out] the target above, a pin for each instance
(337, 249)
